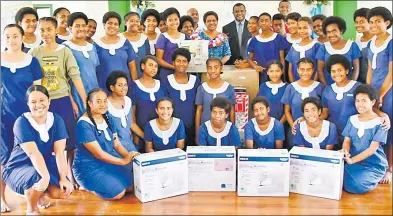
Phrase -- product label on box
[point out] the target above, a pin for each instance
(241, 110)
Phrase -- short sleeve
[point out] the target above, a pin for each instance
(61, 131)
(231, 94)
(321, 53)
(283, 44)
(390, 47)
(298, 137)
(181, 135)
(148, 133)
(36, 69)
(320, 89)
(166, 86)
(199, 96)
(380, 135)
(289, 55)
(332, 138)
(226, 49)
(324, 98)
(202, 135)
(286, 98)
(356, 53)
(96, 57)
(131, 56)
(249, 131)
(278, 130)
(161, 42)
(85, 132)
(235, 137)
(71, 66)
(251, 46)
(22, 131)
(112, 124)
(197, 82)
(347, 129)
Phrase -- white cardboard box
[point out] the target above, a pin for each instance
(211, 168)
(160, 174)
(263, 172)
(316, 172)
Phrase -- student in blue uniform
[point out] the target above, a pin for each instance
(214, 87)
(86, 57)
(263, 131)
(274, 89)
(293, 37)
(115, 52)
(18, 72)
(61, 14)
(168, 42)
(181, 88)
(102, 165)
(334, 27)
(37, 166)
(150, 19)
(364, 137)
(297, 91)
(144, 93)
(267, 40)
(27, 18)
(380, 68)
(120, 109)
(315, 132)
(307, 47)
(217, 131)
(253, 28)
(91, 29)
(166, 131)
(139, 41)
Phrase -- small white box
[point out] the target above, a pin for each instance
(263, 172)
(160, 175)
(211, 168)
(316, 172)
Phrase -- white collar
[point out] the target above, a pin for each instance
(151, 91)
(84, 49)
(216, 91)
(111, 47)
(315, 141)
(302, 49)
(65, 37)
(43, 129)
(152, 45)
(216, 135)
(136, 44)
(264, 40)
(35, 44)
(341, 90)
(182, 87)
(360, 43)
(329, 48)
(100, 127)
(377, 50)
(121, 113)
(361, 126)
(165, 135)
(274, 87)
(16, 65)
(175, 41)
(292, 41)
(267, 130)
(305, 91)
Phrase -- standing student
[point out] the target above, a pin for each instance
(278, 24)
(293, 36)
(263, 131)
(150, 19)
(91, 30)
(102, 165)
(27, 18)
(162, 24)
(18, 72)
(181, 88)
(166, 131)
(317, 27)
(186, 25)
(284, 7)
(115, 52)
(61, 15)
(334, 27)
(37, 166)
(253, 28)
(366, 162)
(267, 40)
(86, 57)
(217, 131)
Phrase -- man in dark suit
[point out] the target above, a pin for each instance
(237, 33)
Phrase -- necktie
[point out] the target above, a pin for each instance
(239, 34)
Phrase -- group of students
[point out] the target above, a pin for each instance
(107, 102)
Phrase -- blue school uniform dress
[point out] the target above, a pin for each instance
(364, 176)
(340, 102)
(29, 46)
(228, 137)
(327, 136)
(380, 58)
(259, 46)
(19, 173)
(168, 45)
(350, 50)
(152, 45)
(16, 78)
(264, 138)
(297, 52)
(363, 61)
(183, 97)
(205, 95)
(290, 42)
(273, 93)
(122, 119)
(164, 140)
(105, 179)
(141, 49)
(87, 59)
(62, 38)
(113, 57)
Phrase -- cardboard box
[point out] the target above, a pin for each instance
(316, 172)
(241, 109)
(263, 172)
(211, 168)
(160, 175)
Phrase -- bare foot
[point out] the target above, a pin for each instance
(43, 203)
(4, 207)
(387, 179)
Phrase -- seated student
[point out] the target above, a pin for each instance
(218, 131)
(263, 131)
(102, 165)
(314, 132)
(214, 87)
(164, 132)
(366, 161)
(32, 169)
(274, 89)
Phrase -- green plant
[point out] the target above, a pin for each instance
(142, 4)
(316, 2)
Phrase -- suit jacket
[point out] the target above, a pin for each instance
(231, 31)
